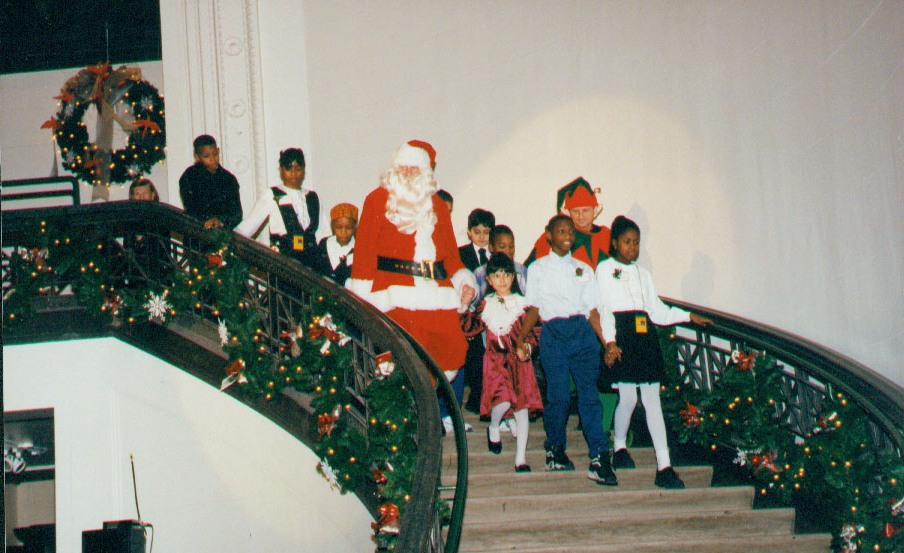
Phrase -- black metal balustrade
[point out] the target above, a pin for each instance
(281, 293)
(810, 373)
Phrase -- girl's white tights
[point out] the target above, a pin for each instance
(627, 400)
(521, 423)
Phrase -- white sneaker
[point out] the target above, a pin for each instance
(447, 426)
(509, 425)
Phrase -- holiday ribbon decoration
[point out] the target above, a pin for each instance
(104, 88)
(289, 341)
(691, 414)
(897, 508)
(892, 528)
(764, 461)
(826, 423)
(214, 260)
(389, 519)
(743, 361)
(385, 365)
(112, 303)
(848, 534)
(326, 422)
(327, 329)
(379, 477)
(234, 374)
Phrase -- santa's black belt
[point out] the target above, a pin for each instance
(428, 269)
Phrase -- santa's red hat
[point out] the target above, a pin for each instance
(427, 147)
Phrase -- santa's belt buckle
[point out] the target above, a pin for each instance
(298, 242)
(428, 269)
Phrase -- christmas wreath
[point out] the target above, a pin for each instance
(121, 97)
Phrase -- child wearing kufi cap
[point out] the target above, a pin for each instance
(335, 253)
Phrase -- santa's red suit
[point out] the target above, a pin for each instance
(406, 258)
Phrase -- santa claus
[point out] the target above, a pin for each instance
(406, 258)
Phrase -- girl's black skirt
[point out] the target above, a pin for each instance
(641, 359)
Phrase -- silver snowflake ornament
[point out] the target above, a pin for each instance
(223, 332)
(327, 471)
(157, 307)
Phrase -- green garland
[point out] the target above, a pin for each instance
(863, 488)
(118, 90)
(380, 458)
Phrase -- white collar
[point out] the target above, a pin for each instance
(501, 312)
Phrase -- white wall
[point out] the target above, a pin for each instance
(212, 474)
(759, 145)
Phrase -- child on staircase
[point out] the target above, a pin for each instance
(509, 384)
(629, 307)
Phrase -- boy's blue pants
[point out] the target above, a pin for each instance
(569, 350)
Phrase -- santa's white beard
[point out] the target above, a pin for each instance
(410, 203)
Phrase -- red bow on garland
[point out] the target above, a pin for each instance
(389, 519)
(691, 414)
(744, 361)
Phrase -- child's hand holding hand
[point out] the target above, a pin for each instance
(613, 354)
(522, 350)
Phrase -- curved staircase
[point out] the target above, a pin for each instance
(564, 511)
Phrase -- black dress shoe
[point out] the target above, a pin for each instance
(621, 459)
(668, 478)
(494, 447)
(522, 468)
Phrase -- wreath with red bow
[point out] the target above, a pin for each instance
(121, 97)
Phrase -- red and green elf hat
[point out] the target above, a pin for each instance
(578, 193)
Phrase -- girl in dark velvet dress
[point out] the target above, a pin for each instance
(509, 384)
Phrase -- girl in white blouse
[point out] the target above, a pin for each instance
(629, 309)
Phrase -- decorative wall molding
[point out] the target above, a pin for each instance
(212, 68)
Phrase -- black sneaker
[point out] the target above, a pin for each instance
(600, 471)
(668, 478)
(621, 459)
(557, 460)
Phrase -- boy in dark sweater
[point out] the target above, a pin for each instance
(209, 192)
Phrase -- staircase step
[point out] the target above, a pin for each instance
(536, 435)
(558, 512)
(480, 458)
(637, 503)
(803, 543)
(604, 528)
(508, 482)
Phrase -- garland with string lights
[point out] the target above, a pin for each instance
(375, 456)
(120, 96)
(862, 488)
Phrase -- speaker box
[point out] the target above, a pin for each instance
(122, 536)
